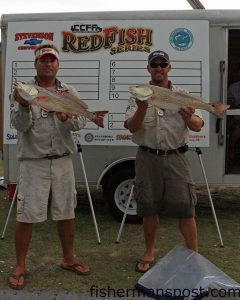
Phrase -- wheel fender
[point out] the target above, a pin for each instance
(111, 166)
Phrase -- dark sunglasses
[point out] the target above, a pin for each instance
(163, 65)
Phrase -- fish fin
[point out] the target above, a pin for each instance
(219, 108)
(98, 117)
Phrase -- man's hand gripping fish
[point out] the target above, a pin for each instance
(58, 102)
(173, 100)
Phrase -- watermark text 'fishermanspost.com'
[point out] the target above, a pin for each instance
(108, 291)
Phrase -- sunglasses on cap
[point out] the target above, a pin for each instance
(163, 65)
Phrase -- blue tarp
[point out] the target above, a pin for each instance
(186, 275)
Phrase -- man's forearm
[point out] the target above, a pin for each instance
(135, 122)
(21, 119)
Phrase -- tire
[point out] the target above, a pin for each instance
(116, 192)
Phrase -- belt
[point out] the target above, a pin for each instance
(56, 156)
(160, 152)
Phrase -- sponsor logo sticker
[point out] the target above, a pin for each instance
(31, 40)
(181, 39)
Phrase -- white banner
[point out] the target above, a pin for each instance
(101, 59)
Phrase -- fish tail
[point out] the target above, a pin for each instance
(99, 117)
(219, 108)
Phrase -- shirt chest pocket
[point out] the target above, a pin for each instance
(36, 112)
(150, 117)
(43, 124)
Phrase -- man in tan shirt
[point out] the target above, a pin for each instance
(163, 179)
(45, 167)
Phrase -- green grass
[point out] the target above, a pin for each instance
(113, 264)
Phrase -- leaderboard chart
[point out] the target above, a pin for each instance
(102, 59)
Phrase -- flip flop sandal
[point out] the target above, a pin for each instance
(17, 277)
(74, 268)
(143, 262)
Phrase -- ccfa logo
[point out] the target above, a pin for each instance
(181, 39)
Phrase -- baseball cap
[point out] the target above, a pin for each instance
(43, 51)
(156, 54)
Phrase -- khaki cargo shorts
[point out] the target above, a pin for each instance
(164, 184)
(46, 188)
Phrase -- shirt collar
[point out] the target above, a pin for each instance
(58, 84)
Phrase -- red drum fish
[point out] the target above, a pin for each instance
(163, 98)
(64, 102)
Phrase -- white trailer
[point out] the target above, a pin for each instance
(102, 53)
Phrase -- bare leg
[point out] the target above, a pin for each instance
(188, 229)
(66, 230)
(23, 235)
(150, 225)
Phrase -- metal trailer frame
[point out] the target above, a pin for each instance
(109, 161)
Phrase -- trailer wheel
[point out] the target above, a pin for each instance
(116, 192)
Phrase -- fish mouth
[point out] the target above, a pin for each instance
(143, 98)
(141, 93)
(27, 92)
